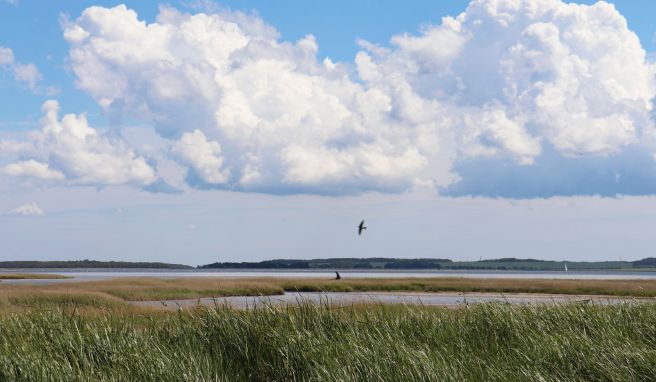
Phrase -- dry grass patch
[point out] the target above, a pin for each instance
(152, 288)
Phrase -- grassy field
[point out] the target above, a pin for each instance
(322, 343)
(87, 331)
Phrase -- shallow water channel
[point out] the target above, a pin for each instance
(355, 298)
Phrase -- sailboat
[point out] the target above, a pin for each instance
(565, 267)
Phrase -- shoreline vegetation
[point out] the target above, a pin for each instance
(31, 276)
(119, 292)
(373, 263)
(84, 264)
(89, 330)
(484, 342)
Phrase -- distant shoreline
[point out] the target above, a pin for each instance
(349, 264)
(396, 264)
(89, 264)
(323, 270)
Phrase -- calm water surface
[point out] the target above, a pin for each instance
(350, 298)
(103, 274)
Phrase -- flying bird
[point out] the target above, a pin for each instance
(361, 227)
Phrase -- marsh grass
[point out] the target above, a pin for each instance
(144, 289)
(636, 288)
(31, 276)
(486, 342)
(54, 300)
(118, 291)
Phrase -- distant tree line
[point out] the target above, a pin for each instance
(344, 263)
(269, 264)
(649, 262)
(507, 263)
(90, 264)
(511, 260)
(373, 263)
(414, 264)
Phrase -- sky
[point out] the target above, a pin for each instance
(199, 131)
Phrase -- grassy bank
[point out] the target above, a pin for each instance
(30, 276)
(637, 288)
(322, 343)
(118, 291)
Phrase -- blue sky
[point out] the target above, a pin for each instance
(510, 131)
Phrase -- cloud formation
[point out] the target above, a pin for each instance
(202, 156)
(32, 168)
(31, 209)
(504, 85)
(27, 74)
(68, 149)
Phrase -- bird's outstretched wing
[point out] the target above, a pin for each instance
(360, 227)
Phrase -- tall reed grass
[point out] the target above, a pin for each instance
(487, 342)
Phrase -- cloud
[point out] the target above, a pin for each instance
(27, 210)
(6, 56)
(630, 172)
(32, 168)
(504, 85)
(69, 149)
(258, 114)
(28, 74)
(203, 156)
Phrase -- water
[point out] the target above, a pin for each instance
(353, 298)
(103, 274)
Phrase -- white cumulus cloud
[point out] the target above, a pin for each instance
(504, 85)
(32, 168)
(203, 156)
(68, 148)
(31, 209)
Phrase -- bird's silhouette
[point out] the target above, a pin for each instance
(361, 227)
(337, 277)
